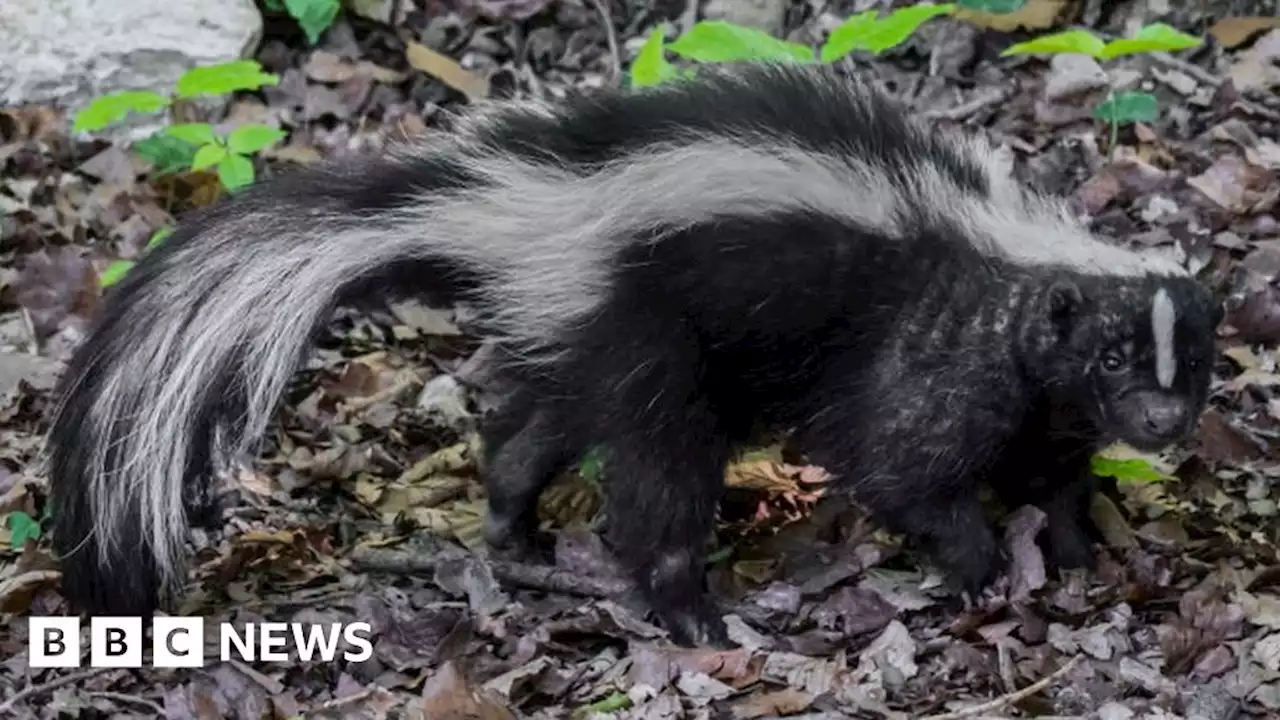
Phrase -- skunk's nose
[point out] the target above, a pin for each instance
(1165, 417)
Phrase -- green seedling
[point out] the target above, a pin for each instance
(1123, 107)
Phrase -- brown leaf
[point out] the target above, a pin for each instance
(780, 702)
(1111, 524)
(1237, 185)
(1026, 566)
(1255, 68)
(1034, 15)
(1256, 317)
(1235, 31)
(446, 695)
(55, 283)
(1218, 440)
(854, 611)
(447, 70)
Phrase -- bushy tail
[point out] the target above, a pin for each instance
(193, 349)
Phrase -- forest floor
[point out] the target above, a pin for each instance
(365, 505)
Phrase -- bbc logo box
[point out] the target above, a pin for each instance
(116, 642)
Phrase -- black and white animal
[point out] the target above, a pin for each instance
(666, 272)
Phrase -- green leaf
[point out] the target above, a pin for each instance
(1071, 41)
(22, 527)
(1126, 469)
(114, 272)
(721, 41)
(167, 153)
(651, 66)
(208, 156)
(998, 7)
(1127, 107)
(273, 5)
(158, 237)
(1152, 38)
(897, 26)
(224, 78)
(591, 466)
(313, 16)
(194, 133)
(115, 107)
(235, 171)
(249, 139)
(847, 36)
(609, 704)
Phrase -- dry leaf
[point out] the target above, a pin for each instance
(1035, 15)
(1255, 378)
(446, 695)
(1235, 31)
(447, 70)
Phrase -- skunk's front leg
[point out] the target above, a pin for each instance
(663, 484)
(910, 451)
(1064, 490)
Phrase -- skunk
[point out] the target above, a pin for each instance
(665, 272)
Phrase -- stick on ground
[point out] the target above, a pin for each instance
(1010, 698)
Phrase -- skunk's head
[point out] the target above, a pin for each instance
(1132, 354)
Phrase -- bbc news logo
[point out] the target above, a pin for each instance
(179, 642)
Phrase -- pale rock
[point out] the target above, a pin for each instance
(68, 52)
(1071, 75)
(766, 15)
(446, 398)
(379, 10)
(40, 372)
(1114, 711)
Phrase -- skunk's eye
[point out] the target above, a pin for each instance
(1112, 360)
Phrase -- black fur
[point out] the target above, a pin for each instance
(914, 366)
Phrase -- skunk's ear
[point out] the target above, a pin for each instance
(1062, 304)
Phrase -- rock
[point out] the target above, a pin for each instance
(1072, 75)
(70, 51)
(446, 398)
(379, 10)
(766, 15)
(39, 372)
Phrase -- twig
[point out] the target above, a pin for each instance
(124, 698)
(965, 110)
(611, 36)
(36, 690)
(1183, 66)
(531, 577)
(347, 699)
(1009, 699)
(29, 324)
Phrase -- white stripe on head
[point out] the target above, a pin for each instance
(1163, 318)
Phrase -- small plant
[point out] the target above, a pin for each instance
(313, 16)
(118, 268)
(1119, 107)
(23, 527)
(711, 41)
(211, 80)
(188, 146)
(191, 146)
(230, 153)
(720, 41)
(1127, 469)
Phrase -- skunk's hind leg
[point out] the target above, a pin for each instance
(527, 443)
